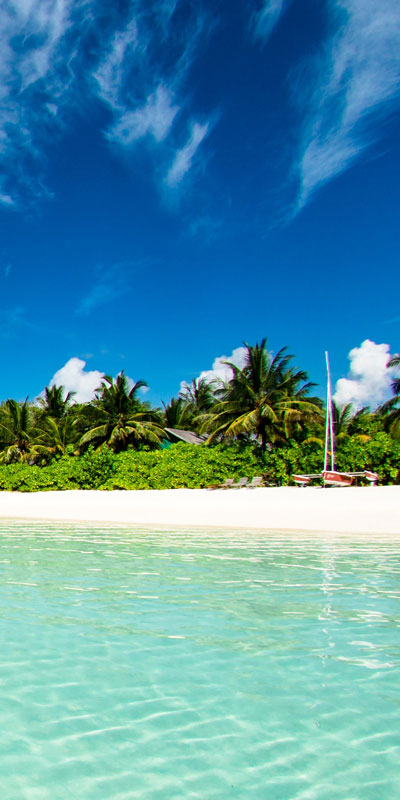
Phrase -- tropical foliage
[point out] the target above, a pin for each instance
(267, 399)
(53, 403)
(264, 419)
(120, 419)
(194, 467)
(391, 409)
(17, 427)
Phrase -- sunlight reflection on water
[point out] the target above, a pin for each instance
(206, 664)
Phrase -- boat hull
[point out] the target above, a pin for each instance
(337, 478)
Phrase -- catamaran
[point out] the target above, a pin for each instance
(329, 475)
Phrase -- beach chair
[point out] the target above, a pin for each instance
(226, 485)
(239, 485)
(256, 481)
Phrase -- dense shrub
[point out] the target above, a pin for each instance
(89, 471)
(182, 466)
(282, 463)
(380, 453)
(179, 466)
(190, 466)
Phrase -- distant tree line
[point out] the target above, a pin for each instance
(268, 405)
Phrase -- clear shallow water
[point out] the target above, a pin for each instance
(161, 666)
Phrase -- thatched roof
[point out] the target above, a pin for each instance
(175, 434)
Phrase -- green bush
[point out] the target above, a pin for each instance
(89, 471)
(183, 466)
(179, 466)
(380, 454)
(190, 466)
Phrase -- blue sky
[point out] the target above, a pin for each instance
(178, 177)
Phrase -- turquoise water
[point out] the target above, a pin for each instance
(161, 666)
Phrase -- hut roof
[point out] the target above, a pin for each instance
(186, 436)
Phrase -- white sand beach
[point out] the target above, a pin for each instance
(352, 509)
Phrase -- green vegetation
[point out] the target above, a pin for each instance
(119, 419)
(266, 397)
(263, 421)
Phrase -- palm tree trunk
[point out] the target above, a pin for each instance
(263, 434)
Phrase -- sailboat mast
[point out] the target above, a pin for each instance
(329, 434)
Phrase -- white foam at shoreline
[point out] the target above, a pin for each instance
(352, 509)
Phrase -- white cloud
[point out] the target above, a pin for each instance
(144, 92)
(33, 79)
(268, 17)
(6, 199)
(220, 372)
(56, 55)
(47, 20)
(155, 117)
(184, 157)
(110, 73)
(358, 77)
(75, 378)
(369, 381)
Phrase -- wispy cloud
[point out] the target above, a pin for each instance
(46, 22)
(31, 75)
(109, 284)
(6, 199)
(14, 319)
(143, 84)
(266, 19)
(154, 117)
(205, 228)
(57, 55)
(369, 381)
(357, 85)
(392, 320)
(111, 73)
(185, 155)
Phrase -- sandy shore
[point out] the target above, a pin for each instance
(353, 510)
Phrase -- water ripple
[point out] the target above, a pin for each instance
(170, 665)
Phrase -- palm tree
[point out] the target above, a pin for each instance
(54, 404)
(54, 435)
(120, 419)
(390, 410)
(177, 414)
(265, 398)
(17, 427)
(198, 394)
(364, 423)
(342, 416)
(197, 397)
(395, 362)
